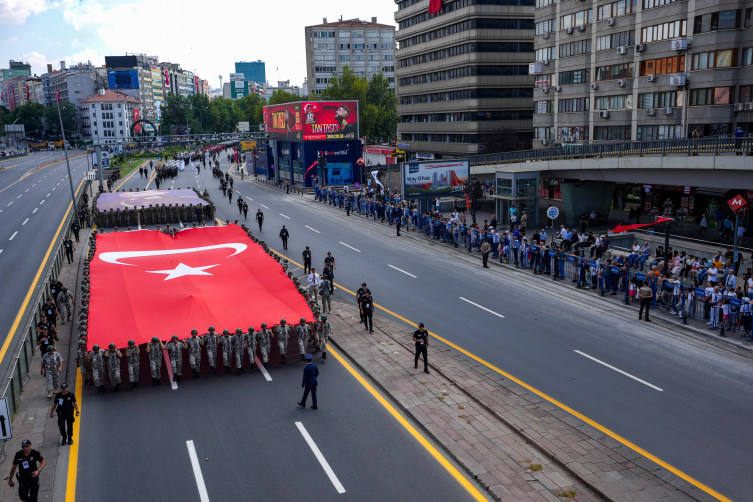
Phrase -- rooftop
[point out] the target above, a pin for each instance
(108, 96)
(353, 22)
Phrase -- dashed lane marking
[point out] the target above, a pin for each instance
(24, 223)
(482, 308)
(323, 461)
(619, 371)
(351, 247)
(14, 234)
(401, 270)
(315, 230)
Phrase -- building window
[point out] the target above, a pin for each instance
(572, 133)
(544, 107)
(543, 133)
(661, 66)
(544, 3)
(652, 133)
(575, 48)
(614, 72)
(615, 9)
(574, 77)
(724, 20)
(715, 59)
(389, 57)
(621, 102)
(666, 99)
(612, 133)
(626, 38)
(573, 105)
(343, 46)
(711, 96)
(542, 80)
(545, 53)
(745, 94)
(576, 19)
(548, 26)
(388, 68)
(344, 57)
(664, 31)
(650, 4)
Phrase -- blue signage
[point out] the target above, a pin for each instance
(123, 79)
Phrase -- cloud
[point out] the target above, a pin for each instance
(11, 40)
(16, 11)
(37, 61)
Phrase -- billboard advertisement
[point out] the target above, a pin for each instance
(237, 76)
(435, 179)
(313, 121)
(123, 79)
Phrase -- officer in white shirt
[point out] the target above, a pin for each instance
(314, 282)
(730, 281)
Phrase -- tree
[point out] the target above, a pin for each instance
(32, 116)
(503, 140)
(70, 119)
(176, 111)
(281, 96)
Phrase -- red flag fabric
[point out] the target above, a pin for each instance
(146, 283)
(57, 94)
(435, 6)
(626, 228)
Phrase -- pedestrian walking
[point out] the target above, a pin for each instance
(359, 294)
(259, 218)
(367, 311)
(306, 260)
(485, 249)
(421, 337)
(310, 382)
(325, 289)
(75, 228)
(314, 282)
(284, 234)
(646, 294)
(64, 403)
(26, 460)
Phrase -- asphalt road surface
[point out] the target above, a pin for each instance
(681, 400)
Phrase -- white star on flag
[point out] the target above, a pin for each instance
(182, 270)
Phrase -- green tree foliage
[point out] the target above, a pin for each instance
(377, 103)
(204, 117)
(70, 120)
(32, 116)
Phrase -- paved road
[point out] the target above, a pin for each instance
(695, 422)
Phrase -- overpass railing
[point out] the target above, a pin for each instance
(687, 147)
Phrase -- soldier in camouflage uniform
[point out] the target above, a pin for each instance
(265, 342)
(134, 361)
(97, 359)
(324, 332)
(283, 336)
(250, 338)
(210, 340)
(154, 349)
(52, 365)
(113, 365)
(239, 347)
(315, 330)
(227, 350)
(65, 299)
(82, 363)
(194, 352)
(302, 331)
(175, 349)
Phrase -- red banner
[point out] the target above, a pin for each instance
(147, 283)
(167, 80)
(435, 6)
(196, 83)
(626, 228)
(136, 115)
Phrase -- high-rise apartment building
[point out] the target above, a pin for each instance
(641, 70)
(368, 48)
(462, 73)
(254, 71)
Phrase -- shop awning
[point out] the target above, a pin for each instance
(716, 192)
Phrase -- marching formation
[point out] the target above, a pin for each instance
(98, 364)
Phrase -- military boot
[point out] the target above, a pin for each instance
(214, 371)
(135, 384)
(117, 388)
(49, 395)
(239, 372)
(177, 378)
(99, 389)
(154, 381)
(266, 365)
(324, 355)
(253, 368)
(159, 382)
(283, 360)
(131, 388)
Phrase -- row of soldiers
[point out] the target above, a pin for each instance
(155, 214)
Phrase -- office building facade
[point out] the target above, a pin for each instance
(254, 71)
(462, 73)
(641, 70)
(368, 48)
(107, 116)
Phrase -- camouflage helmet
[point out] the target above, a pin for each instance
(238, 331)
(225, 332)
(111, 346)
(263, 325)
(303, 320)
(131, 343)
(324, 317)
(250, 329)
(65, 288)
(283, 321)
(211, 328)
(95, 348)
(155, 339)
(175, 337)
(81, 342)
(194, 332)
(50, 348)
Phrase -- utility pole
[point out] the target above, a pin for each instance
(67, 162)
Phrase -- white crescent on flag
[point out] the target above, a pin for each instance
(114, 256)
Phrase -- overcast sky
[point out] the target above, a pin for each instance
(207, 37)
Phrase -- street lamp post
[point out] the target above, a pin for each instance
(67, 163)
(668, 205)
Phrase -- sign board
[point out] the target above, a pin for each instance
(248, 145)
(738, 204)
(91, 175)
(243, 127)
(237, 77)
(313, 121)
(105, 160)
(123, 79)
(357, 185)
(424, 180)
(552, 213)
(6, 428)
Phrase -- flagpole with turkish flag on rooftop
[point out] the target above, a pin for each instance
(65, 150)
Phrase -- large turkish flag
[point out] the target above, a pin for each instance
(145, 283)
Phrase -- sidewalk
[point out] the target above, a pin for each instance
(518, 446)
(33, 420)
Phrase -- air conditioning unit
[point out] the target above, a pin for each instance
(604, 114)
(545, 90)
(545, 62)
(652, 78)
(650, 112)
(640, 47)
(594, 86)
(677, 80)
(534, 68)
(748, 107)
(545, 34)
(581, 27)
(621, 83)
(611, 21)
(622, 50)
(544, 142)
(558, 88)
(738, 107)
(569, 31)
(680, 44)
(667, 111)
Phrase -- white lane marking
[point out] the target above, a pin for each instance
(54, 188)
(1, 250)
(170, 370)
(619, 371)
(262, 368)
(14, 234)
(288, 217)
(11, 202)
(48, 194)
(203, 495)
(42, 201)
(482, 308)
(315, 230)
(19, 196)
(34, 185)
(27, 190)
(351, 247)
(35, 210)
(403, 271)
(58, 183)
(24, 223)
(339, 487)
(262, 205)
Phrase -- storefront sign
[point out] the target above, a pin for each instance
(738, 204)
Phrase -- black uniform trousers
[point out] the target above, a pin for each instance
(28, 489)
(421, 350)
(645, 303)
(284, 243)
(368, 320)
(306, 266)
(65, 424)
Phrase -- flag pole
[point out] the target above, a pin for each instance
(67, 162)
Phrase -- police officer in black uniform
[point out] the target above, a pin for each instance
(75, 227)
(359, 294)
(307, 260)
(51, 312)
(26, 461)
(421, 337)
(367, 311)
(46, 334)
(69, 248)
(284, 234)
(259, 218)
(64, 404)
